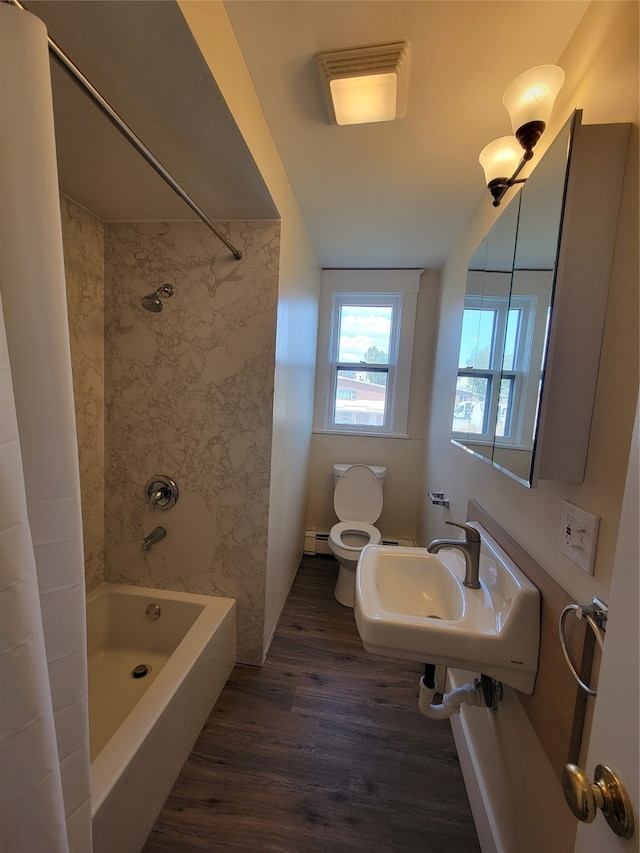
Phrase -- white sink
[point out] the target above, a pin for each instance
(413, 605)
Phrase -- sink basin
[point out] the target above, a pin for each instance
(416, 583)
(413, 605)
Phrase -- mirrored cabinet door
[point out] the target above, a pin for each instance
(479, 408)
(530, 307)
(534, 311)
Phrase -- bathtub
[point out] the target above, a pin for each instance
(144, 724)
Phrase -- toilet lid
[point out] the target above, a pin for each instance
(358, 495)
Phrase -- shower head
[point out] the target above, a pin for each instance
(152, 302)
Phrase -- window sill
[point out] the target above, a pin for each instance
(360, 432)
(471, 438)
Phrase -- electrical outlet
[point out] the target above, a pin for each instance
(579, 535)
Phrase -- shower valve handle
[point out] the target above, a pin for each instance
(161, 492)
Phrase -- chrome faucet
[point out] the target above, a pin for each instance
(156, 535)
(470, 548)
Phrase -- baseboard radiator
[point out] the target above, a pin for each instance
(317, 542)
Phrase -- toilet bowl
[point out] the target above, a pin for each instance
(357, 500)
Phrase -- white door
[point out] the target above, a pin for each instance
(614, 738)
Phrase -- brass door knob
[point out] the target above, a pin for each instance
(606, 792)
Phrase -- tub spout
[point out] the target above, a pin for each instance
(156, 535)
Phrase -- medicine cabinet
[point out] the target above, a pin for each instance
(534, 311)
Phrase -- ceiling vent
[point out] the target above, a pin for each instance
(365, 84)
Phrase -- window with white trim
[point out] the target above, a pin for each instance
(365, 344)
(493, 362)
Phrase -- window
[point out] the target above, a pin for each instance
(365, 343)
(495, 340)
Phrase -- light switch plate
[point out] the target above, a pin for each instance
(578, 535)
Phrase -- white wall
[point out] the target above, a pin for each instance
(601, 66)
(297, 320)
(402, 457)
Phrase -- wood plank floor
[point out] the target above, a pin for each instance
(322, 749)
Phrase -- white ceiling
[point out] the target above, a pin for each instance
(393, 194)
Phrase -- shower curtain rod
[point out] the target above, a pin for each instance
(60, 56)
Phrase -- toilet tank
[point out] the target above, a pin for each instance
(340, 467)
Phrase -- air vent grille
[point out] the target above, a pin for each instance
(375, 59)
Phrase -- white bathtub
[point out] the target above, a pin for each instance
(142, 729)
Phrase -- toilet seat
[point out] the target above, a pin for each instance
(359, 527)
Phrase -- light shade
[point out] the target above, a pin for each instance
(500, 158)
(358, 100)
(365, 84)
(531, 96)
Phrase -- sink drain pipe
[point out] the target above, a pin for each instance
(468, 694)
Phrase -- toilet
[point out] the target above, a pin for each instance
(357, 500)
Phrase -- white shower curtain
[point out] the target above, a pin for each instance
(44, 737)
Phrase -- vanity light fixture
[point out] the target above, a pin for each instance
(365, 84)
(529, 101)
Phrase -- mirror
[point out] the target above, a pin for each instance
(478, 409)
(505, 329)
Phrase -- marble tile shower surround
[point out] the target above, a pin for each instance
(189, 393)
(83, 239)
